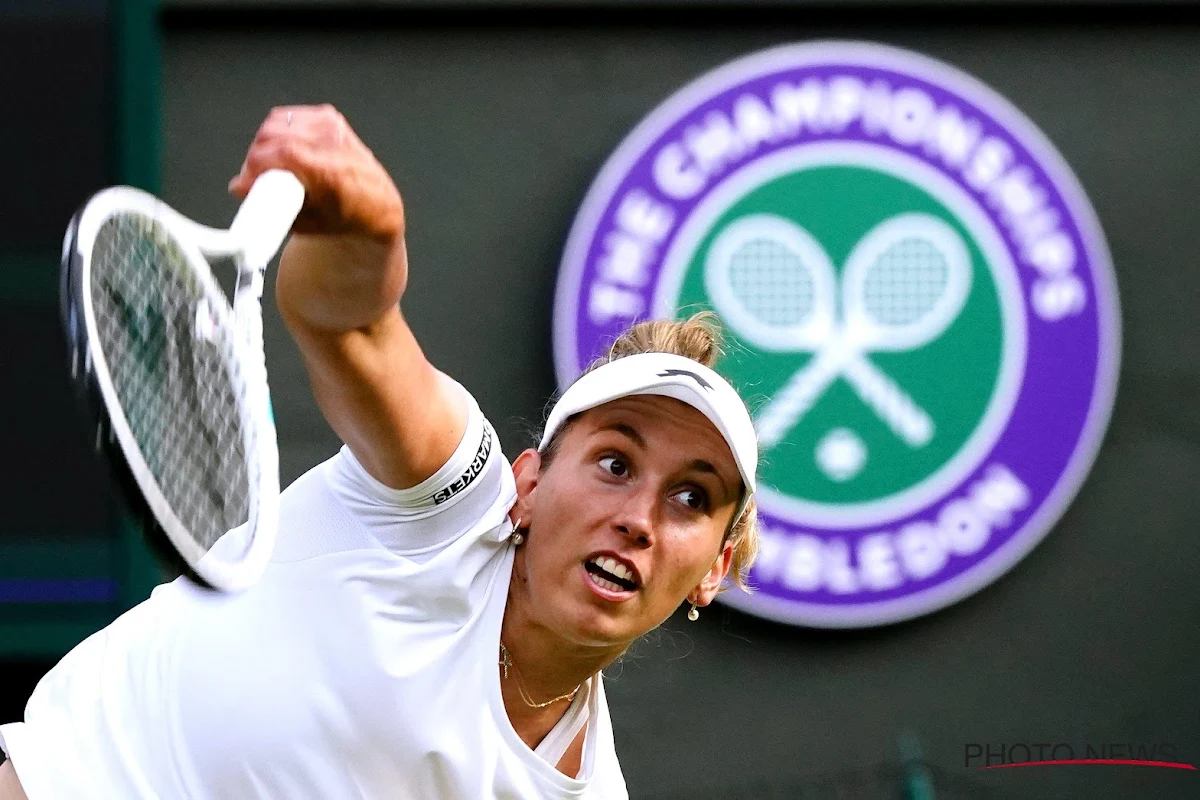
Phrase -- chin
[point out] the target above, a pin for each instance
(588, 625)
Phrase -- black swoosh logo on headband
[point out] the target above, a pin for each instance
(667, 373)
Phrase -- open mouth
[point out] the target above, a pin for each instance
(609, 573)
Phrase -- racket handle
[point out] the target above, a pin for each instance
(266, 215)
(796, 398)
(891, 403)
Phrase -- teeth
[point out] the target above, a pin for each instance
(606, 584)
(614, 567)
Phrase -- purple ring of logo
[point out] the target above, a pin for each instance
(1054, 431)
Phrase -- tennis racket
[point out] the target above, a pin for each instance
(173, 377)
(903, 284)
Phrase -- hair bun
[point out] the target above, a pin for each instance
(699, 337)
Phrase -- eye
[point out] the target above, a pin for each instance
(693, 498)
(614, 466)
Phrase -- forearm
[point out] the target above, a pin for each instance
(329, 285)
(384, 399)
(339, 297)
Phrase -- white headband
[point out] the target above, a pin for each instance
(674, 376)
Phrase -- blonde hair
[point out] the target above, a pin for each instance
(699, 338)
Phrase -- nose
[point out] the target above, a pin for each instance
(635, 518)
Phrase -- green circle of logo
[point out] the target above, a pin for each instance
(920, 305)
(885, 258)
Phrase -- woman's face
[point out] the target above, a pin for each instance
(627, 521)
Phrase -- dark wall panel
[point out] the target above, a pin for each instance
(56, 151)
(57, 526)
(54, 147)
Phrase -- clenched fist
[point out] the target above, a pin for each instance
(345, 266)
(346, 189)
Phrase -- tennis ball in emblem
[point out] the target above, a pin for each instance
(841, 454)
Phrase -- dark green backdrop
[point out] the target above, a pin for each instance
(494, 125)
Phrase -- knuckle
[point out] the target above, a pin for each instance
(275, 153)
(288, 150)
(276, 118)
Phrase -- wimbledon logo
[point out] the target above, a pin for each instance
(920, 305)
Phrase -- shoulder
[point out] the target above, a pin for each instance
(339, 505)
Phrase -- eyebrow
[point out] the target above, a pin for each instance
(700, 465)
(697, 464)
(626, 429)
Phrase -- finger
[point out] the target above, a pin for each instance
(321, 126)
(318, 122)
(277, 124)
(293, 154)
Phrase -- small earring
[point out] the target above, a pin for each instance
(694, 614)
(518, 538)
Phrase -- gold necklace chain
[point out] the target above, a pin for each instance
(506, 662)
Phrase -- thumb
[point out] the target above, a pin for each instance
(239, 185)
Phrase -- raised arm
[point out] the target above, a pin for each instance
(341, 278)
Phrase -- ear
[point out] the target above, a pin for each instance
(526, 470)
(708, 588)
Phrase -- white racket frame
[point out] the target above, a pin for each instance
(258, 230)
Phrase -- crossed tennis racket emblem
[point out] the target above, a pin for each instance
(903, 284)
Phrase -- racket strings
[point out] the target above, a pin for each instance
(772, 283)
(905, 282)
(175, 375)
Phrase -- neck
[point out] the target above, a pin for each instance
(544, 665)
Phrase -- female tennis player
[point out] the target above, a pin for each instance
(434, 621)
